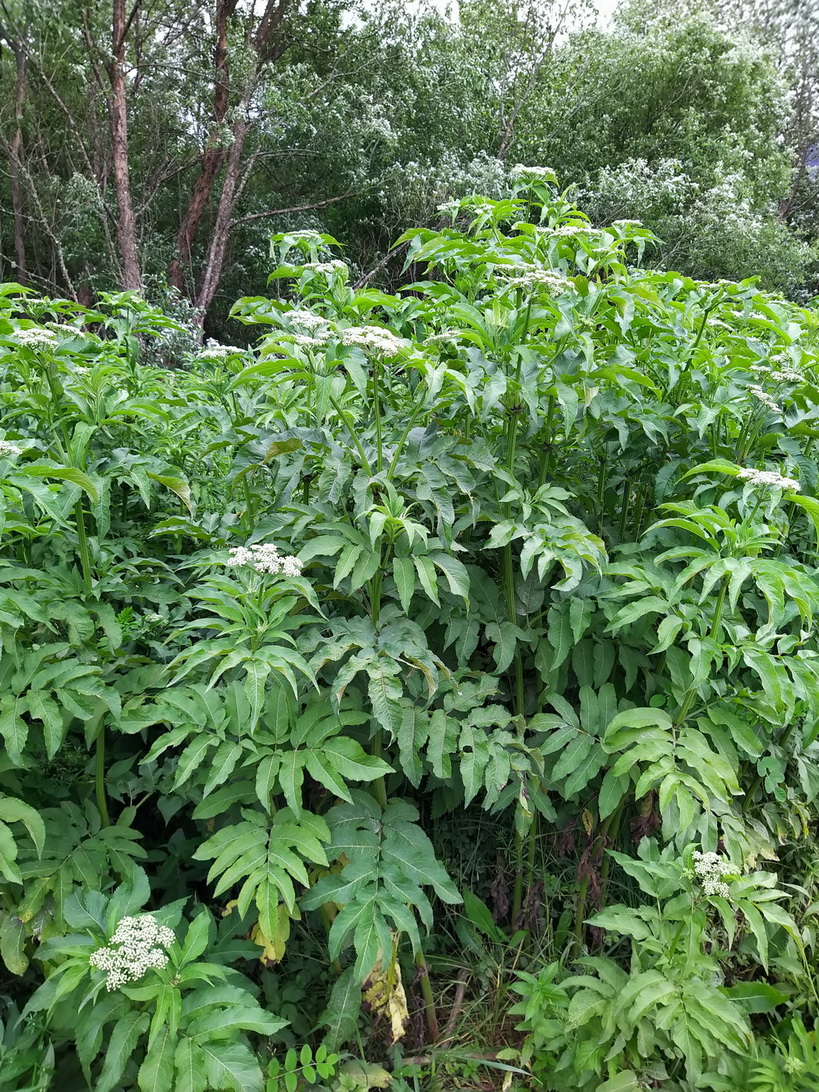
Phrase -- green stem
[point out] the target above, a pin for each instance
(511, 609)
(82, 544)
(403, 440)
(365, 462)
(377, 747)
(99, 776)
(379, 458)
(327, 923)
(531, 850)
(426, 993)
(546, 458)
(249, 509)
(624, 509)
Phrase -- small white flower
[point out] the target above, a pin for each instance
(308, 320)
(330, 268)
(531, 276)
(7, 449)
(576, 229)
(374, 339)
(214, 351)
(305, 233)
(787, 375)
(762, 396)
(520, 171)
(716, 887)
(135, 948)
(81, 371)
(264, 557)
(36, 337)
(308, 342)
(769, 478)
(710, 869)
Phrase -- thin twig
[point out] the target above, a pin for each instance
(294, 208)
(457, 1005)
(377, 268)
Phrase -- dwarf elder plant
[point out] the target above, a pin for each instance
(522, 558)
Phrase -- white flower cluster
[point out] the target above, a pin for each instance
(308, 342)
(533, 277)
(308, 320)
(762, 396)
(520, 171)
(334, 266)
(7, 448)
(709, 869)
(36, 337)
(787, 375)
(81, 371)
(769, 478)
(264, 557)
(214, 351)
(135, 947)
(305, 233)
(373, 338)
(573, 229)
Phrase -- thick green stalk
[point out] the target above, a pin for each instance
(365, 462)
(99, 775)
(82, 545)
(249, 509)
(379, 786)
(511, 609)
(426, 993)
(400, 446)
(379, 457)
(624, 509)
(546, 455)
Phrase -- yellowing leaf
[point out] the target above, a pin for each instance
(273, 947)
(384, 994)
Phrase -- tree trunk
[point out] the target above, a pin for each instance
(267, 47)
(16, 166)
(214, 154)
(126, 225)
(221, 228)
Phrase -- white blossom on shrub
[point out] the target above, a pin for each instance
(373, 338)
(769, 478)
(135, 948)
(264, 557)
(710, 869)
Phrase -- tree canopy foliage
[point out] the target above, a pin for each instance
(159, 145)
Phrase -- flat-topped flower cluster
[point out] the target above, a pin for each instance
(710, 869)
(135, 948)
(36, 337)
(264, 557)
(768, 479)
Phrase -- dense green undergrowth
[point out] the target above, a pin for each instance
(427, 698)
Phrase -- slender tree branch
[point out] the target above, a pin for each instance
(293, 208)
